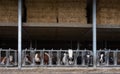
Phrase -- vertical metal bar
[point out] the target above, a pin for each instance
(50, 58)
(42, 58)
(58, 58)
(0, 54)
(97, 58)
(15, 57)
(36, 44)
(94, 33)
(31, 44)
(83, 59)
(115, 58)
(23, 57)
(78, 46)
(75, 57)
(19, 32)
(32, 54)
(107, 57)
(7, 56)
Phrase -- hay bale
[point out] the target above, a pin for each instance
(73, 20)
(80, 1)
(108, 12)
(41, 19)
(40, 11)
(72, 12)
(39, 1)
(49, 10)
(8, 11)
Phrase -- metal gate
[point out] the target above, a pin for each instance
(9, 58)
(55, 58)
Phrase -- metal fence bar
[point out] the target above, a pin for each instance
(15, 56)
(0, 56)
(7, 56)
(58, 59)
(83, 60)
(59, 55)
(32, 54)
(50, 58)
(75, 58)
(115, 56)
(94, 33)
(19, 32)
(107, 57)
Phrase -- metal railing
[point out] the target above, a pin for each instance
(8, 57)
(112, 58)
(78, 57)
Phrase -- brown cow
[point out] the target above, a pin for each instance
(46, 58)
(3, 60)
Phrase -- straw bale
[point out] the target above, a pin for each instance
(42, 19)
(108, 12)
(109, 1)
(47, 11)
(70, 12)
(8, 19)
(72, 5)
(81, 20)
(40, 1)
(108, 20)
(37, 5)
(81, 1)
(8, 10)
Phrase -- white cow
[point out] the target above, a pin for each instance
(11, 58)
(102, 60)
(64, 59)
(37, 57)
(70, 55)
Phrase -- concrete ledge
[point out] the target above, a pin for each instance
(60, 70)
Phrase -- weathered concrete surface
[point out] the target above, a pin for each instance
(60, 70)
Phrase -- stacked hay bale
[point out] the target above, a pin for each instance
(41, 11)
(108, 12)
(8, 10)
(70, 11)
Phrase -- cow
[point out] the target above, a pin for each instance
(64, 59)
(79, 60)
(102, 58)
(37, 58)
(70, 56)
(111, 60)
(54, 59)
(5, 59)
(27, 59)
(46, 58)
(88, 59)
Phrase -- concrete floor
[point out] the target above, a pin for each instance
(60, 70)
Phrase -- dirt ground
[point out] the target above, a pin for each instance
(60, 70)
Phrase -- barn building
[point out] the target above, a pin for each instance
(60, 33)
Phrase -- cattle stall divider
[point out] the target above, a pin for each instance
(55, 57)
(59, 58)
(8, 58)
